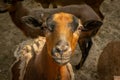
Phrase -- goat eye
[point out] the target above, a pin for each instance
(51, 27)
(73, 26)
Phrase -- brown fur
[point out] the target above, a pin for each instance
(24, 52)
(84, 12)
(42, 66)
(109, 61)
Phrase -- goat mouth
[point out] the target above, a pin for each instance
(61, 60)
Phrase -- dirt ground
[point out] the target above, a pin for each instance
(10, 37)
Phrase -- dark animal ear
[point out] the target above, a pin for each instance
(32, 22)
(92, 24)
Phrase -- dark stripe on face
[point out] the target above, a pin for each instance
(50, 23)
(74, 24)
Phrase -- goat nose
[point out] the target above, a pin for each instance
(62, 48)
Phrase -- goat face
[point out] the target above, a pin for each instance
(7, 5)
(62, 31)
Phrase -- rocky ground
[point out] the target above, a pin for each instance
(10, 36)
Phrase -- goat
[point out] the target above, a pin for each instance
(25, 52)
(17, 11)
(87, 15)
(109, 62)
(61, 31)
(95, 4)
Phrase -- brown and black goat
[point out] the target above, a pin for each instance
(88, 17)
(95, 4)
(84, 12)
(62, 31)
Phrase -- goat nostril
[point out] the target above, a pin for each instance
(61, 49)
(58, 49)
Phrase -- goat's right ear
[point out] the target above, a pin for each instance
(32, 22)
(92, 24)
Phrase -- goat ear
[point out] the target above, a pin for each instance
(32, 22)
(92, 24)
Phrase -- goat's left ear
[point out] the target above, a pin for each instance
(91, 24)
(32, 22)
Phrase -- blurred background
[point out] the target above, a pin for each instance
(11, 36)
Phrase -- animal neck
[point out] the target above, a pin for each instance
(46, 66)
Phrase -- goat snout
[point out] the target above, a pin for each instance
(61, 48)
(61, 53)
